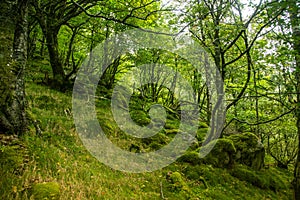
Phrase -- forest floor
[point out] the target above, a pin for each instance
(52, 163)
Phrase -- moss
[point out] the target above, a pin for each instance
(195, 146)
(172, 132)
(191, 157)
(201, 133)
(140, 117)
(11, 157)
(46, 190)
(155, 146)
(196, 173)
(207, 175)
(267, 179)
(159, 138)
(244, 140)
(176, 182)
(221, 155)
(250, 176)
(203, 125)
(172, 124)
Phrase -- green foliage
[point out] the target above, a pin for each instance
(156, 142)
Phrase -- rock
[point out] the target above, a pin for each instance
(249, 150)
(221, 155)
(244, 148)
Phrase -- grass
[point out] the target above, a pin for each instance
(56, 155)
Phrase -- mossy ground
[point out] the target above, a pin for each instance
(56, 155)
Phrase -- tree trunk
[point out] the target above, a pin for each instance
(59, 76)
(14, 28)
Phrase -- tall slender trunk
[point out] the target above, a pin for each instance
(12, 111)
(55, 60)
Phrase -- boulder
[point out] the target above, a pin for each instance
(221, 155)
(249, 150)
(244, 148)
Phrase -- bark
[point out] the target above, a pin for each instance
(13, 104)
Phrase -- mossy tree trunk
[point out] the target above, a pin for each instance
(59, 76)
(13, 34)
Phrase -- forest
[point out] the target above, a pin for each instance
(150, 99)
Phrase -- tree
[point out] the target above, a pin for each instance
(52, 15)
(224, 32)
(14, 56)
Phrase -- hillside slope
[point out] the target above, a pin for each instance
(50, 162)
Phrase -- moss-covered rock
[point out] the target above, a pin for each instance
(221, 155)
(45, 191)
(191, 157)
(177, 182)
(249, 150)
(243, 148)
